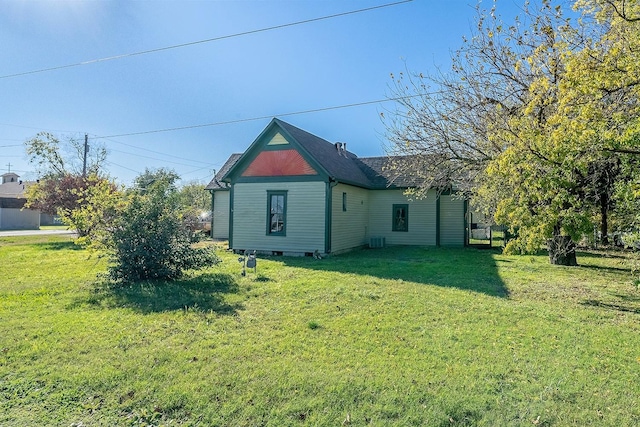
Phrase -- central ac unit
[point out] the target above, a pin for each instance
(377, 242)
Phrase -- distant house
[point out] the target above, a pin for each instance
(13, 216)
(295, 193)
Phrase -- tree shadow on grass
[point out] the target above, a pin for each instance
(606, 268)
(59, 246)
(604, 258)
(611, 306)
(206, 292)
(462, 268)
(615, 254)
(42, 243)
(628, 298)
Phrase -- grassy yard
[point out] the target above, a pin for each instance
(397, 336)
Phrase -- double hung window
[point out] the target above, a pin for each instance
(276, 212)
(400, 218)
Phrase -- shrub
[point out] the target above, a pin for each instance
(150, 239)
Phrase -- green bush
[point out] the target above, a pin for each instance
(151, 238)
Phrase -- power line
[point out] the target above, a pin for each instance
(177, 46)
(120, 166)
(197, 170)
(228, 122)
(147, 150)
(20, 170)
(162, 160)
(111, 140)
(36, 128)
(208, 177)
(315, 110)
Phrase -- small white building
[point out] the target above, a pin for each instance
(13, 215)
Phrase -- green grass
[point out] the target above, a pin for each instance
(54, 227)
(496, 241)
(396, 336)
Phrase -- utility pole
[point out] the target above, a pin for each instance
(86, 148)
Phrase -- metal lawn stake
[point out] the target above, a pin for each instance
(248, 260)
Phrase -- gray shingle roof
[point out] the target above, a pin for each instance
(341, 166)
(216, 183)
(344, 166)
(13, 189)
(386, 172)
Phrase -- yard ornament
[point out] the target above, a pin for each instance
(248, 260)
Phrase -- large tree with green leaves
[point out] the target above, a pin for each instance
(82, 203)
(196, 202)
(54, 156)
(513, 126)
(67, 169)
(601, 98)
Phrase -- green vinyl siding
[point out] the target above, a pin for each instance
(305, 216)
(220, 215)
(422, 214)
(451, 221)
(349, 224)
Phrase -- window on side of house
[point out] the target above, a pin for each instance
(400, 218)
(344, 202)
(276, 212)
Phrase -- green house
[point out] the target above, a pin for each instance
(294, 193)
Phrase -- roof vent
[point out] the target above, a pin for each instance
(341, 147)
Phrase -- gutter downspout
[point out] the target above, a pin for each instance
(231, 217)
(328, 214)
(212, 210)
(467, 220)
(438, 220)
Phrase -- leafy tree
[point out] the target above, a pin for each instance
(521, 125)
(600, 102)
(194, 196)
(608, 98)
(149, 238)
(53, 195)
(64, 179)
(196, 202)
(453, 124)
(150, 177)
(73, 198)
(627, 196)
(99, 203)
(54, 158)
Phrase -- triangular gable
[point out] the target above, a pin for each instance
(278, 139)
(275, 153)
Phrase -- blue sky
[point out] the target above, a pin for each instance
(331, 62)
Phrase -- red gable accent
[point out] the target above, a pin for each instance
(279, 163)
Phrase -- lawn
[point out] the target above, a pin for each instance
(395, 336)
